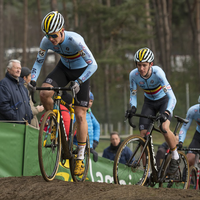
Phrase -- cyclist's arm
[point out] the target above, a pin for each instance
(39, 60)
(89, 59)
(168, 90)
(133, 89)
(185, 127)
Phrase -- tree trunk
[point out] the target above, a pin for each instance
(75, 13)
(198, 36)
(1, 41)
(24, 58)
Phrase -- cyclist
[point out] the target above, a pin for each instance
(76, 64)
(193, 113)
(159, 97)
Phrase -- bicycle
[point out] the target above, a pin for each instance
(194, 169)
(137, 170)
(54, 146)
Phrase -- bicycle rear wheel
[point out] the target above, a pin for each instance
(133, 172)
(49, 147)
(180, 179)
(193, 178)
(74, 150)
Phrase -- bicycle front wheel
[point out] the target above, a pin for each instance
(49, 146)
(86, 160)
(135, 170)
(180, 179)
(193, 178)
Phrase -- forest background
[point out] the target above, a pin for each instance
(113, 30)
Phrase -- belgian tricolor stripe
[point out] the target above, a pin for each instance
(71, 56)
(153, 91)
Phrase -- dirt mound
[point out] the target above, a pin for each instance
(36, 188)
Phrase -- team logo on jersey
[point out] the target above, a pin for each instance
(136, 73)
(56, 48)
(134, 92)
(89, 62)
(41, 52)
(152, 81)
(67, 48)
(165, 89)
(40, 60)
(82, 53)
(33, 76)
(195, 110)
(141, 83)
(181, 132)
(49, 80)
(169, 87)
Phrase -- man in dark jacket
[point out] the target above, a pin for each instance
(14, 100)
(111, 151)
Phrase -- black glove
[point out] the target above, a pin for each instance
(179, 145)
(33, 83)
(164, 117)
(95, 155)
(131, 112)
(95, 143)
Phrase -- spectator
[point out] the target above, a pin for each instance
(26, 75)
(14, 101)
(111, 151)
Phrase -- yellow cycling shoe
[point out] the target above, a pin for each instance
(79, 168)
(53, 132)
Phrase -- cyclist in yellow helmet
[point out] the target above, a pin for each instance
(76, 64)
(159, 97)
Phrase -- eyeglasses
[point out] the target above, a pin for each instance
(55, 35)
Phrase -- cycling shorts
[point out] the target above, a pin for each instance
(61, 76)
(195, 141)
(152, 108)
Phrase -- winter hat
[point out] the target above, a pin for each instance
(91, 96)
(25, 71)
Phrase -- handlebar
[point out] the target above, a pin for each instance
(197, 150)
(57, 89)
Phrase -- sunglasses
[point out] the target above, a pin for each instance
(55, 35)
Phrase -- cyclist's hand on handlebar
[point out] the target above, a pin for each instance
(131, 112)
(164, 117)
(76, 86)
(179, 145)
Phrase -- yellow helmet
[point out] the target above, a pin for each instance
(144, 55)
(52, 22)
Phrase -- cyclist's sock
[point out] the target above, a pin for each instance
(175, 155)
(81, 150)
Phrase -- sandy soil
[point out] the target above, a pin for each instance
(36, 188)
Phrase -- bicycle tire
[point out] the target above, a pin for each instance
(180, 179)
(193, 178)
(74, 150)
(49, 155)
(130, 173)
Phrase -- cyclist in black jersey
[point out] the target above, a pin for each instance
(159, 97)
(76, 64)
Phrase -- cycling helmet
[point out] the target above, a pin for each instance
(52, 22)
(144, 55)
(91, 96)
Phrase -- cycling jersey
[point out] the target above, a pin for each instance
(74, 55)
(155, 87)
(192, 114)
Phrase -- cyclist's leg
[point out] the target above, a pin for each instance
(169, 137)
(82, 128)
(194, 144)
(56, 78)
